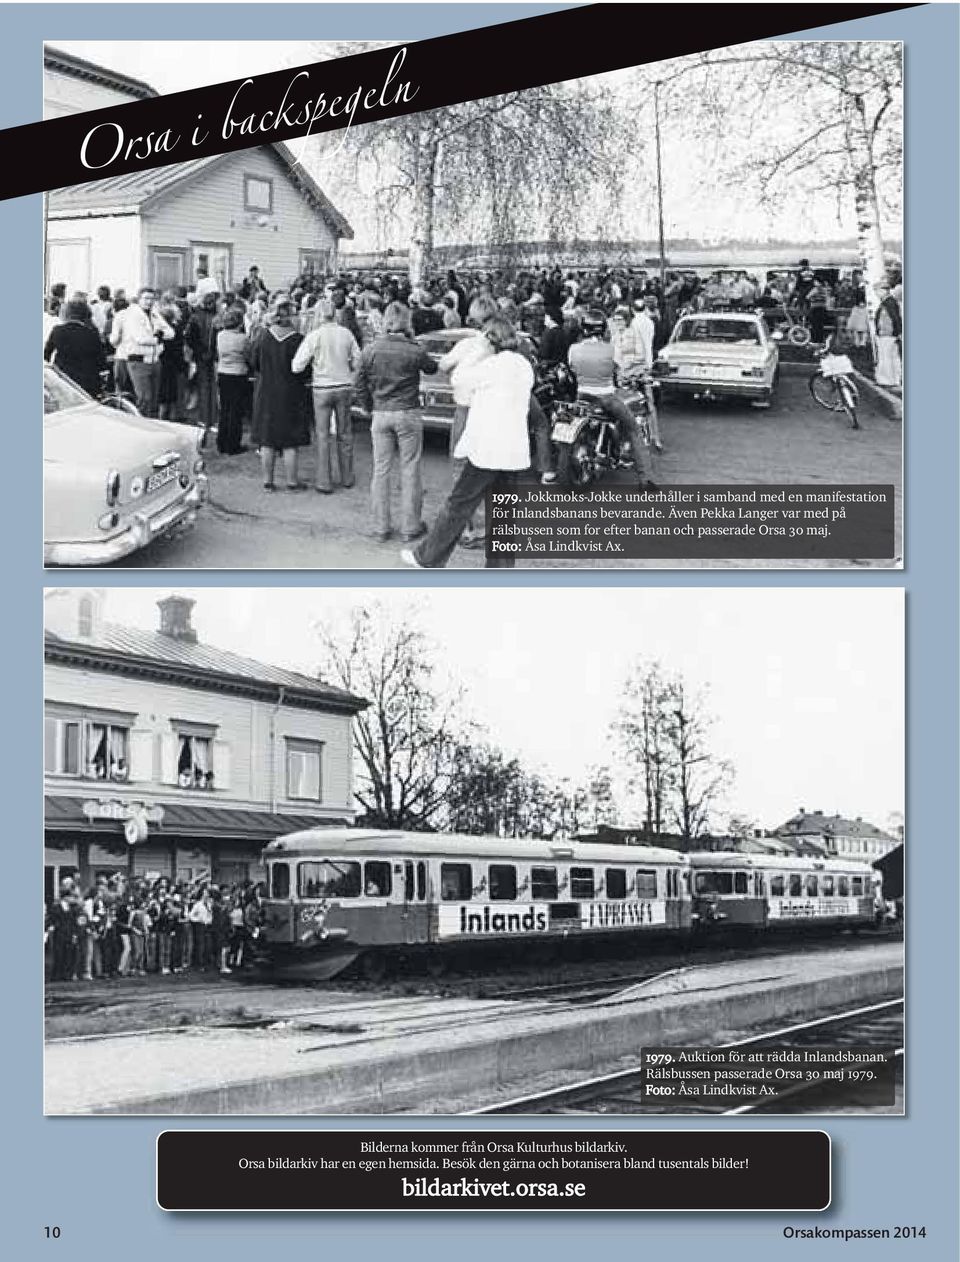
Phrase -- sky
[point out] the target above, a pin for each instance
(695, 203)
(807, 684)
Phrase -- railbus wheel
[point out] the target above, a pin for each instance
(435, 964)
(373, 966)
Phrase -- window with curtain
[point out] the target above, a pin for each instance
(195, 762)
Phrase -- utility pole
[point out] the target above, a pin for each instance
(656, 115)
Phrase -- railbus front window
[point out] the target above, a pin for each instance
(328, 878)
(543, 884)
(280, 880)
(503, 882)
(714, 882)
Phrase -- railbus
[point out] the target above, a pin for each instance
(340, 896)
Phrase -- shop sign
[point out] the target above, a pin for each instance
(136, 817)
(119, 812)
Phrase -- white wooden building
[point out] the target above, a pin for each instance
(160, 227)
(167, 756)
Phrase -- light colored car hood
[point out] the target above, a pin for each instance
(101, 438)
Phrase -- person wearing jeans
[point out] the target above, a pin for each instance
(466, 351)
(388, 385)
(335, 355)
(495, 444)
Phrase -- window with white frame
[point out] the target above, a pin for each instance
(257, 194)
(92, 748)
(62, 741)
(108, 752)
(195, 761)
(304, 770)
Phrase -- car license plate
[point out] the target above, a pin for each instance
(162, 477)
(563, 432)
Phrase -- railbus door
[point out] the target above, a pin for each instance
(414, 901)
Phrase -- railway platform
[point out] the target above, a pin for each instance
(367, 1055)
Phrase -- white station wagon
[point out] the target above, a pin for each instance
(713, 354)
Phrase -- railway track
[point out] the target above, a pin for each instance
(359, 1012)
(875, 1026)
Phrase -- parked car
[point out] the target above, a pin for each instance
(712, 354)
(113, 480)
(436, 392)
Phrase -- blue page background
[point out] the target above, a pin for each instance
(95, 1177)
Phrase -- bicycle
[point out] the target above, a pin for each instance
(798, 332)
(834, 388)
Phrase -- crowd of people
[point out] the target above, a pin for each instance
(289, 366)
(129, 928)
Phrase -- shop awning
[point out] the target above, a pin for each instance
(181, 819)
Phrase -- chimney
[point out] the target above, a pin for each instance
(175, 614)
(802, 810)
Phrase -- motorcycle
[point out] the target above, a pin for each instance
(588, 441)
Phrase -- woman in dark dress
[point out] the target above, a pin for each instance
(75, 347)
(173, 365)
(280, 417)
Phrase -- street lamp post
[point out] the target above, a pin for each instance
(656, 116)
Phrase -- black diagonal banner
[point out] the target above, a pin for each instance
(387, 83)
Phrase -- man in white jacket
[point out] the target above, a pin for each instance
(138, 334)
(495, 442)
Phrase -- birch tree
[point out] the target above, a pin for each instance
(798, 120)
(490, 170)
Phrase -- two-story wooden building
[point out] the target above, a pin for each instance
(170, 757)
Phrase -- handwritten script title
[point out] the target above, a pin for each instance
(106, 143)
